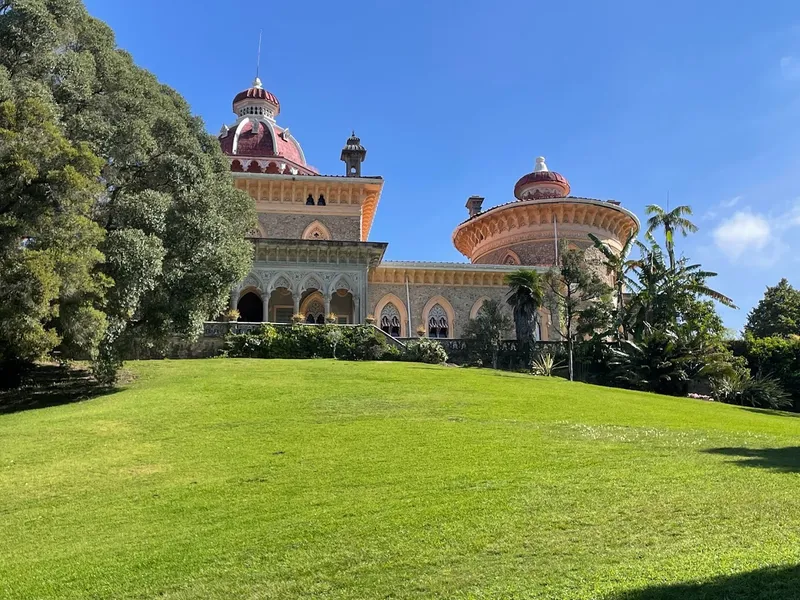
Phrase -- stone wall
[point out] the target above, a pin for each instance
(460, 298)
(529, 253)
(292, 226)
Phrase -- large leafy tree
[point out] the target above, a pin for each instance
(672, 222)
(118, 220)
(525, 297)
(777, 313)
(488, 328)
(580, 299)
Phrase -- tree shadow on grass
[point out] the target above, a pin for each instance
(771, 583)
(772, 413)
(785, 459)
(51, 385)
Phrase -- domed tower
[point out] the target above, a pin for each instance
(353, 154)
(255, 142)
(528, 230)
(542, 183)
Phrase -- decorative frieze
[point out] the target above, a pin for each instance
(571, 218)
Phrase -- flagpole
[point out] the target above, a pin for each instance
(408, 309)
(555, 238)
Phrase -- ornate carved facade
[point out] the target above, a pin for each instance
(312, 254)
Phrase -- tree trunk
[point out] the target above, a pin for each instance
(571, 369)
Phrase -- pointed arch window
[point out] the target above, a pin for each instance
(390, 320)
(316, 231)
(315, 312)
(438, 325)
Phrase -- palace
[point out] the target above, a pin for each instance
(313, 255)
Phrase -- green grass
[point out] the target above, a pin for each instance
(320, 479)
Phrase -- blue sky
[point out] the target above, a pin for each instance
(628, 100)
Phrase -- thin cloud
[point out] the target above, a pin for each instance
(730, 203)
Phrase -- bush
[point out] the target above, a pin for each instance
(426, 351)
(745, 389)
(774, 357)
(362, 342)
(307, 341)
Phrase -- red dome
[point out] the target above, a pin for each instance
(541, 177)
(542, 183)
(256, 93)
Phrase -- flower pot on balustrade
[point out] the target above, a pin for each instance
(370, 319)
(298, 318)
(331, 318)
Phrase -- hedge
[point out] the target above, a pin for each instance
(360, 342)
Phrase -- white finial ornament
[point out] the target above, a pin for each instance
(257, 84)
(540, 166)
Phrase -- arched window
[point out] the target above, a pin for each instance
(315, 312)
(438, 326)
(310, 200)
(321, 201)
(316, 231)
(390, 320)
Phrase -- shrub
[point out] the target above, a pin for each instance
(546, 365)
(745, 389)
(427, 351)
(774, 357)
(362, 342)
(307, 341)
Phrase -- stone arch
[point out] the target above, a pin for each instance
(281, 281)
(401, 308)
(251, 282)
(511, 258)
(473, 312)
(448, 309)
(341, 282)
(313, 308)
(311, 282)
(316, 231)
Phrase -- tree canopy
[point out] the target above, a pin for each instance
(118, 218)
(777, 313)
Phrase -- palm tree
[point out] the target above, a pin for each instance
(618, 264)
(657, 290)
(672, 221)
(525, 297)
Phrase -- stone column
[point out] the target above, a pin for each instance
(356, 310)
(234, 299)
(265, 302)
(327, 306)
(296, 301)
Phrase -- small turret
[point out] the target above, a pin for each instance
(474, 204)
(353, 154)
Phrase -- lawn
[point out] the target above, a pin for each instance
(256, 479)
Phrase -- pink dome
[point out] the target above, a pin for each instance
(542, 183)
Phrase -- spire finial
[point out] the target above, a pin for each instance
(540, 165)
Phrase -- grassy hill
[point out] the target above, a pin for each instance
(321, 479)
